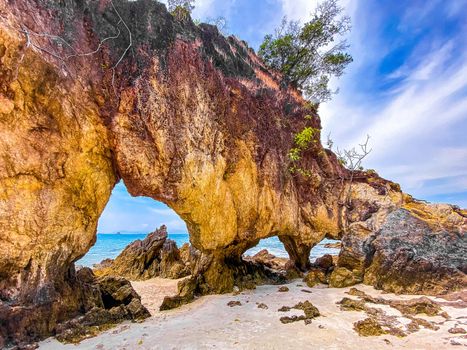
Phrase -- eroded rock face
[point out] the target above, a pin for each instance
(418, 249)
(102, 302)
(155, 256)
(122, 90)
(416, 254)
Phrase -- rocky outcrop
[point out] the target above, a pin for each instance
(103, 303)
(269, 260)
(115, 301)
(417, 249)
(93, 92)
(155, 256)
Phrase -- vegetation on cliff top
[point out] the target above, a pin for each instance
(308, 56)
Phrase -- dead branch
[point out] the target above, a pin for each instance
(30, 42)
(352, 159)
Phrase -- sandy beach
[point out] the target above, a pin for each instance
(209, 323)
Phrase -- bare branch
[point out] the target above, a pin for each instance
(129, 33)
(62, 59)
(352, 159)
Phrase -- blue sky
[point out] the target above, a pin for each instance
(407, 89)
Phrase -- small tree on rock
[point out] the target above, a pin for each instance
(308, 56)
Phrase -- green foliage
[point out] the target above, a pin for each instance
(302, 141)
(307, 55)
(181, 9)
(304, 137)
(294, 154)
(294, 169)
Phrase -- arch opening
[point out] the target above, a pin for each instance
(126, 219)
(272, 251)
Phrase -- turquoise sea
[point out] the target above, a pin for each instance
(110, 245)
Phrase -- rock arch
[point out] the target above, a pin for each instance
(188, 118)
(182, 115)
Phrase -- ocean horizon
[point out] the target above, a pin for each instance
(110, 245)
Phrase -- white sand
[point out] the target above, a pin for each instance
(208, 323)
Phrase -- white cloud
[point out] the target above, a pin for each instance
(301, 10)
(416, 126)
(210, 8)
(298, 10)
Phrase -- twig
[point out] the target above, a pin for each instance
(30, 43)
(126, 50)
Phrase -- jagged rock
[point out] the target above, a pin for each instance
(234, 303)
(265, 258)
(457, 330)
(239, 274)
(189, 256)
(284, 309)
(308, 308)
(291, 319)
(348, 304)
(342, 277)
(310, 312)
(369, 327)
(420, 250)
(117, 302)
(315, 276)
(103, 302)
(154, 256)
(417, 249)
(325, 262)
(416, 306)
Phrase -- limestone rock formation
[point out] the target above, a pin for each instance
(265, 258)
(106, 302)
(418, 249)
(155, 256)
(93, 92)
(315, 276)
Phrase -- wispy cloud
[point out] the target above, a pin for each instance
(298, 9)
(125, 213)
(416, 111)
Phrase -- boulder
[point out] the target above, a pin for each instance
(420, 249)
(315, 276)
(269, 260)
(155, 256)
(342, 277)
(325, 262)
(417, 249)
(115, 301)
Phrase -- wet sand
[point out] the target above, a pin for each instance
(209, 323)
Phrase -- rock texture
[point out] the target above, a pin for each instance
(155, 256)
(93, 92)
(104, 301)
(417, 249)
(269, 260)
(420, 249)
